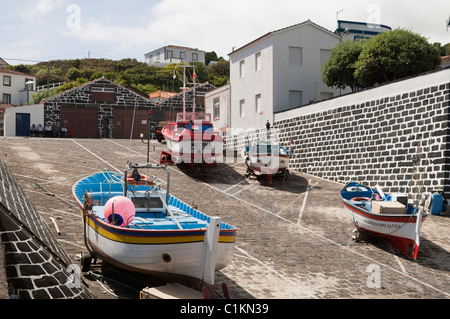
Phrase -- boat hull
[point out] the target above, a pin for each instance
(163, 252)
(154, 244)
(401, 230)
(195, 151)
(268, 163)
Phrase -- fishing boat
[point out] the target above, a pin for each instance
(131, 222)
(266, 157)
(387, 216)
(192, 139)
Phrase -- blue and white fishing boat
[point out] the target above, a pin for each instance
(372, 211)
(134, 224)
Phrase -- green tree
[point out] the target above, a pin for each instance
(395, 54)
(219, 73)
(73, 74)
(76, 63)
(339, 70)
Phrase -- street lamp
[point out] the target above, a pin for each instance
(28, 91)
(345, 32)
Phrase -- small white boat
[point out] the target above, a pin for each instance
(267, 158)
(374, 212)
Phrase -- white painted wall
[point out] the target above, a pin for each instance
(253, 82)
(381, 92)
(277, 76)
(223, 95)
(36, 112)
(305, 77)
(17, 88)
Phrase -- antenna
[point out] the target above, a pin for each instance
(337, 14)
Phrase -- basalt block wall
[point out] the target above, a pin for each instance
(372, 136)
(33, 263)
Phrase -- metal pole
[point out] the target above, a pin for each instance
(148, 138)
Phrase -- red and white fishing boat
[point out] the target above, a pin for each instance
(376, 213)
(191, 139)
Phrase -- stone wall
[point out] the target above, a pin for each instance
(372, 136)
(124, 98)
(33, 262)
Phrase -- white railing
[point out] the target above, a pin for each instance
(50, 86)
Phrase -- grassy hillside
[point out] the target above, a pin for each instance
(127, 72)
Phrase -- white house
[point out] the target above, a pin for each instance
(18, 120)
(217, 103)
(16, 88)
(278, 71)
(174, 54)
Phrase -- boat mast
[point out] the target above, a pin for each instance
(193, 98)
(184, 86)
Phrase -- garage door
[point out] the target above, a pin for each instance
(83, 122)
(123, 121)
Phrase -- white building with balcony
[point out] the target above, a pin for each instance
(174, 54)
(278, 71)
(16, 88)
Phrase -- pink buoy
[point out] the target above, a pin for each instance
(119, 211)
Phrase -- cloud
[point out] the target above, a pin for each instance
(133, 28)
(35, 10)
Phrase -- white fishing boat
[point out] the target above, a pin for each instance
(131, 222)
(371, 211)
(266, 157)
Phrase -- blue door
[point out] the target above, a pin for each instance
(22, 124)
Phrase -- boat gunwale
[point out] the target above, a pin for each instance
(96, 219)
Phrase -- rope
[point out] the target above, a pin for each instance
(97, 278)
(38, 185)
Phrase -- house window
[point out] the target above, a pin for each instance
(241, 108)
(6, 98)
(241, 68)
(6, 80)
(194, 56)
(216, 108)
(324, 56)
(258, 103)
(258, 61)
(183, 55)
(158, 55)
(169, 54)
(295, 56)
(295, 98)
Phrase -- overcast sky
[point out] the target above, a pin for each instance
(45, 30)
